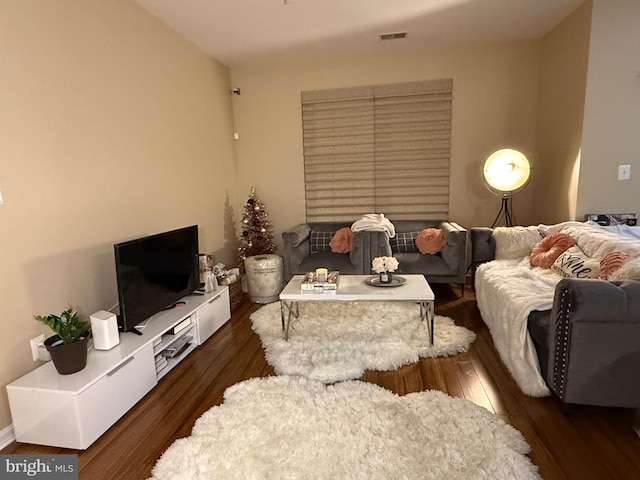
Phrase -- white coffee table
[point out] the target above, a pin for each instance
(353, 288)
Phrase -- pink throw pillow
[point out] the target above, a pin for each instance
(342, 241)
(547, 250)
(430, 240)
(611, 263)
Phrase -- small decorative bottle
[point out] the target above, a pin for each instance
(385, 277)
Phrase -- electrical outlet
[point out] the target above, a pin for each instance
(624, 172)
(35, 349)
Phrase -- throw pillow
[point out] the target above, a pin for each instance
(547, 250)
(342, 241)
(630, 270)
(319, 241)
(404, 242)
(573, 263)
(515, 242)
(611, 263)
(430, 240)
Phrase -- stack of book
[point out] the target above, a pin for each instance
(328, 283)
(180, 326)
(177, 347)
(161, 363)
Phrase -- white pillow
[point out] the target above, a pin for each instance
(573, 263)
(515, 242)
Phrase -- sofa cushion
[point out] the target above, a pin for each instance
(430, 240)
(342, 241)
(319, 241)
(547, 250)
(404, 242)
(515, 242)
(573, 263)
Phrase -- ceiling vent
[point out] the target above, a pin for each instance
(393, 36)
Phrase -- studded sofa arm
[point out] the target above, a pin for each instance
(594, 342)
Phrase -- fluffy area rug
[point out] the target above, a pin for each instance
(337, 341)
(295, 428)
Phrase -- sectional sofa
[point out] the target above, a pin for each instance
(557, 332)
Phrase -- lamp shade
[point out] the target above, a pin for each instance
(506, 171)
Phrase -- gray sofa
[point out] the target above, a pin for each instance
(588, 343)
(447, 266)
(299, 260)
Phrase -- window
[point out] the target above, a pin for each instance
(379, 149)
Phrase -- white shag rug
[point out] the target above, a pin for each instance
(336, 341)
(295, 428)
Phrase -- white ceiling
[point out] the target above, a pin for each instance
(242, 33)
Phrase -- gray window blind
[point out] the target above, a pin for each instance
(379, 149)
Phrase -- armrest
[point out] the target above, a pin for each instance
(296, 234)
(357, 255)
(594, 342)
(295, 247)
(454, 253)
(483, 245)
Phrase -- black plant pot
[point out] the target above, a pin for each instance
(67, 357)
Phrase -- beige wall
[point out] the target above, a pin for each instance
(495, 95)
(563, 77)
(112, 127)
(612, 111)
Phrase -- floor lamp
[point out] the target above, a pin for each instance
(506, 172)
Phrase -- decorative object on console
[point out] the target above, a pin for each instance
(256, 237)
(384, 266)
(68, 347)
(506, 172)
(104, 329)
(205, 264)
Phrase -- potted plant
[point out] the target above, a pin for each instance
(68, 347)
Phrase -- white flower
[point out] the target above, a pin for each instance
(384, 264)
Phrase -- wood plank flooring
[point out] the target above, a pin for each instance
(566, 442)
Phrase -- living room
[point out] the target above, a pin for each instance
(117, 127)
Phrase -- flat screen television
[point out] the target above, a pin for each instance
(155, 272)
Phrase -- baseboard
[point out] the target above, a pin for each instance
(7, 436)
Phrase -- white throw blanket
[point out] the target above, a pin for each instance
(374, 222)
(507, 291)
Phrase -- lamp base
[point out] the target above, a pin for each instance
(504, 208)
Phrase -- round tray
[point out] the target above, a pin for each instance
(396, 281)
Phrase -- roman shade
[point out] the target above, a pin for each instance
(383, 148)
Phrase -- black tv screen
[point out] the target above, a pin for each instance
(155, 272)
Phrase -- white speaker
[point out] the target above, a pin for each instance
(104, 327)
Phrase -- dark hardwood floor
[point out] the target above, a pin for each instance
(566, 442)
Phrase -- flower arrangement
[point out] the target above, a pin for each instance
(384, 264)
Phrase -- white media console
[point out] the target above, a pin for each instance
(72, 411)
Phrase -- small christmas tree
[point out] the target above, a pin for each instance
(256, 237)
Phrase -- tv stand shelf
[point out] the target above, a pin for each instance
(72, 411)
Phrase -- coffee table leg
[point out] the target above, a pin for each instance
(427, 313)
(292, 310)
